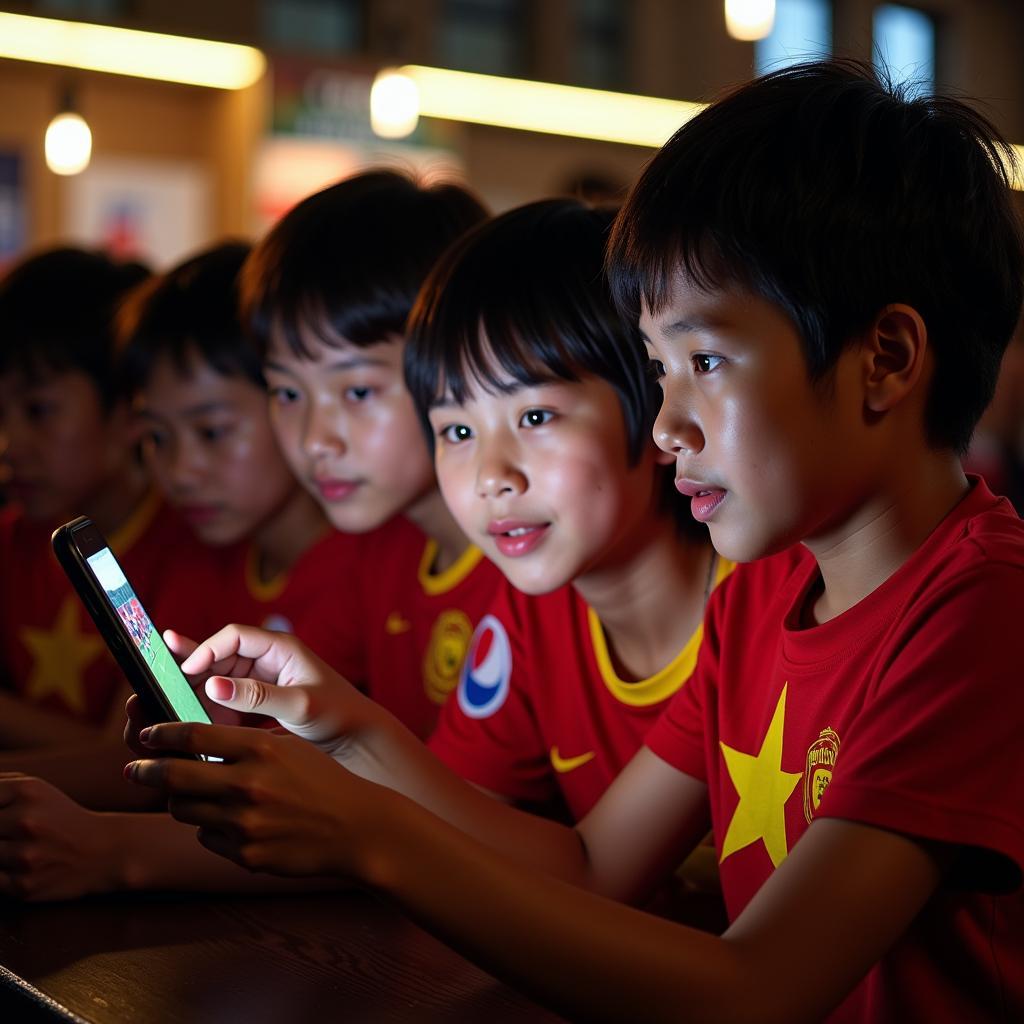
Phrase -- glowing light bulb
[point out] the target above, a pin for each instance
(394, 105)
(68, 144)
(748, 20)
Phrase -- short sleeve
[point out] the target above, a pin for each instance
(937, 748)
(488, 732)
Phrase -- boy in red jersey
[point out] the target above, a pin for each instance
(68, 448)
(534, 396)
(201, 397)
(826, 274)
(327, 294)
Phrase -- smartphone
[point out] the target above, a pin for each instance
(124, 624)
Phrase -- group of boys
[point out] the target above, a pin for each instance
(825, 276)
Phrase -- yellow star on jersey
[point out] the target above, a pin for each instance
(763, 788)
(60, 657)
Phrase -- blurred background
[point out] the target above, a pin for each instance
(174, 165)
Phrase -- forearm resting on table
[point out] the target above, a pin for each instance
(593, 959)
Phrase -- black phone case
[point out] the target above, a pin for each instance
(154, 703)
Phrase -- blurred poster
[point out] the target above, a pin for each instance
(157, 211)
(13, 217)
(289, 169)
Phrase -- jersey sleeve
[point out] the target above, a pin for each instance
(488, 732)
(937, 753)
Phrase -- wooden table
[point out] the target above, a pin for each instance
(280, 959)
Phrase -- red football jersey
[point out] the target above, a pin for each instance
(906, 713)
(307, 600)
(540, 710)
(414, 625)
(50, 650)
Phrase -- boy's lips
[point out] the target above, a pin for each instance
(704, 498)
(335, 490)
(515, 537)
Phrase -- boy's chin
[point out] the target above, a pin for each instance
(531, 580)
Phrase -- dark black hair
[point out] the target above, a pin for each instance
(832, 195)
(192, 309)
(347, 262)
(524, 296)
(57, 312)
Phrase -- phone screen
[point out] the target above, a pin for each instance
(149, 642)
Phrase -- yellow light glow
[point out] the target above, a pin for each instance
(1017, 173)
(394, 105)
(68, 144)
(543, 107)
(123, 51)
(748, 20)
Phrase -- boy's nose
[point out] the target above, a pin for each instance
(324, 434)
(499, 476)
(675, 431)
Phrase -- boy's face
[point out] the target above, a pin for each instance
(767, 459)
(58, 446)
(540, 479)
(210, 449)
(348, 428)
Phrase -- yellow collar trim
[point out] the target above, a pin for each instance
(664, 683)
(441, 582)
(262, 591)
(125, 536)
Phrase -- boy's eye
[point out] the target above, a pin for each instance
(705, 363)
(455, 433)
(536, 417)
(214, 432)
(154, 440)
(358, 394)
(283, 396)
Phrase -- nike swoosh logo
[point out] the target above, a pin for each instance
(395, 624)
(569, 764)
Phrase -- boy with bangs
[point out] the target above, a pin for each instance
(536, 400)
(327, 295)
(200, 394)
(851, 728)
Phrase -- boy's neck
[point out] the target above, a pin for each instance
(282, 540)
(431, 515)
(884, 532)
(650, 598)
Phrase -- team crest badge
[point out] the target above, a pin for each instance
(821, 761)
(445, 653)
(486, 671)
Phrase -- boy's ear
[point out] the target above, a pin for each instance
(894, 349)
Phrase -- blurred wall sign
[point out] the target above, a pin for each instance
(318, 102)
(12, 208)
(139, 208)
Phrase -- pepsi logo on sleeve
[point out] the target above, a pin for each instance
(486, 671)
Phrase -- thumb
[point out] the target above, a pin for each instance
(288, 704)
